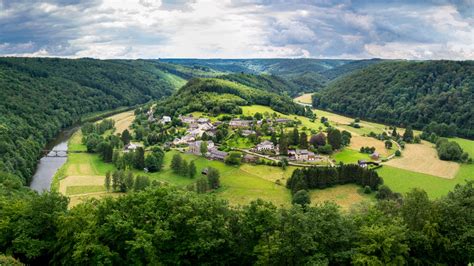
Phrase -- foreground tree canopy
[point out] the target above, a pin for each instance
(164, 225)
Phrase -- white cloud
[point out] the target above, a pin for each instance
(236, 29)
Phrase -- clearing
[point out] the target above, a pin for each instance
(423, 158)
(305, 98)
(123, 120)
(343, 195)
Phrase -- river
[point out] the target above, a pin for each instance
(48, 166)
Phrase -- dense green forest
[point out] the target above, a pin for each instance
(270, 83)
(217, 96)
(39, 97)
(407, 93)
(168, 226)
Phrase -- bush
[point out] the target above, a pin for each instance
(398, 153)
(367, 190)
(301, 197)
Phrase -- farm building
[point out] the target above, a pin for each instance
(215, 154)
(195, 147)
(240, 123)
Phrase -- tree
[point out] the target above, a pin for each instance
(303, 140)
(273, 138)
(335, 138)
(388, 144)
(318, 140)
(139, 158)
(203, 148)
(301, 197)
(126, 137)
(213, 177)
(176, 163)
(141, 182)
(192, 170)
(129, 181)
(394, 132)
(202, 185)
(345, 138)
(107, 181)
(233, 158)
(184, 168)
(152, 163)
(408, 135)
(283, 144)
(295, 136)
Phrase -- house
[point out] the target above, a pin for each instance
(301, 155)
(362, 163)
(206, 127)
(195, 147)
(184, 140)
(375, 156)
(187, 119)
(247, 132)
(265, 146)
(283, 120)
(131, 147)
(215, 154)
(239, 123)
(166, 119)
(203, 120)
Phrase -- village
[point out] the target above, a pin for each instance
(201, 132)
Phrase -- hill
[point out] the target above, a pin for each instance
(39, 97)
(439, 93)
(270, 83)
(217, 95)
(304, 75)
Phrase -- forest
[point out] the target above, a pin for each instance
(430, 94)
(217, 96)
(39, 97)
(165, 225)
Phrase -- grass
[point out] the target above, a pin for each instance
(74, 190)
(400, 180)
(466, 145)
(343, 195)
(350, 156)
(305, 98)
(240, 142)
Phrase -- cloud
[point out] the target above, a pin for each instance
(432, 29)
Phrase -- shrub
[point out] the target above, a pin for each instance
(367, 190)
(398, 153)
(301, 197)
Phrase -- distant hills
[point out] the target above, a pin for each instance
(304, 75)
(440, 93)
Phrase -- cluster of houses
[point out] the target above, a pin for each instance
(212, 152)
(302, 155)
(196, 128)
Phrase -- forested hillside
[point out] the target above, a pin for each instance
(270, 83)
(304, 75)
(40, 96)
(217, 96)
(407, 93)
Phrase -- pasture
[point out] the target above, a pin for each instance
(423, 158)
(344, 195)
(123, 120)
(305, 98)
(359, 141)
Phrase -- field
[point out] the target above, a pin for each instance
(350, 156)
(305, 98)
(343, 195)
(423, 158)
(123, 120)
(359, 141)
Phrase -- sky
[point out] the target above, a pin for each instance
(405, 29)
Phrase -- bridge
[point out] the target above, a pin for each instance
(59, 153)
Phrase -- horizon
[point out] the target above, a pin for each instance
(239, 29)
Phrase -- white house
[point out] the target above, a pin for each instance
(265, 146)
(166, 119)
